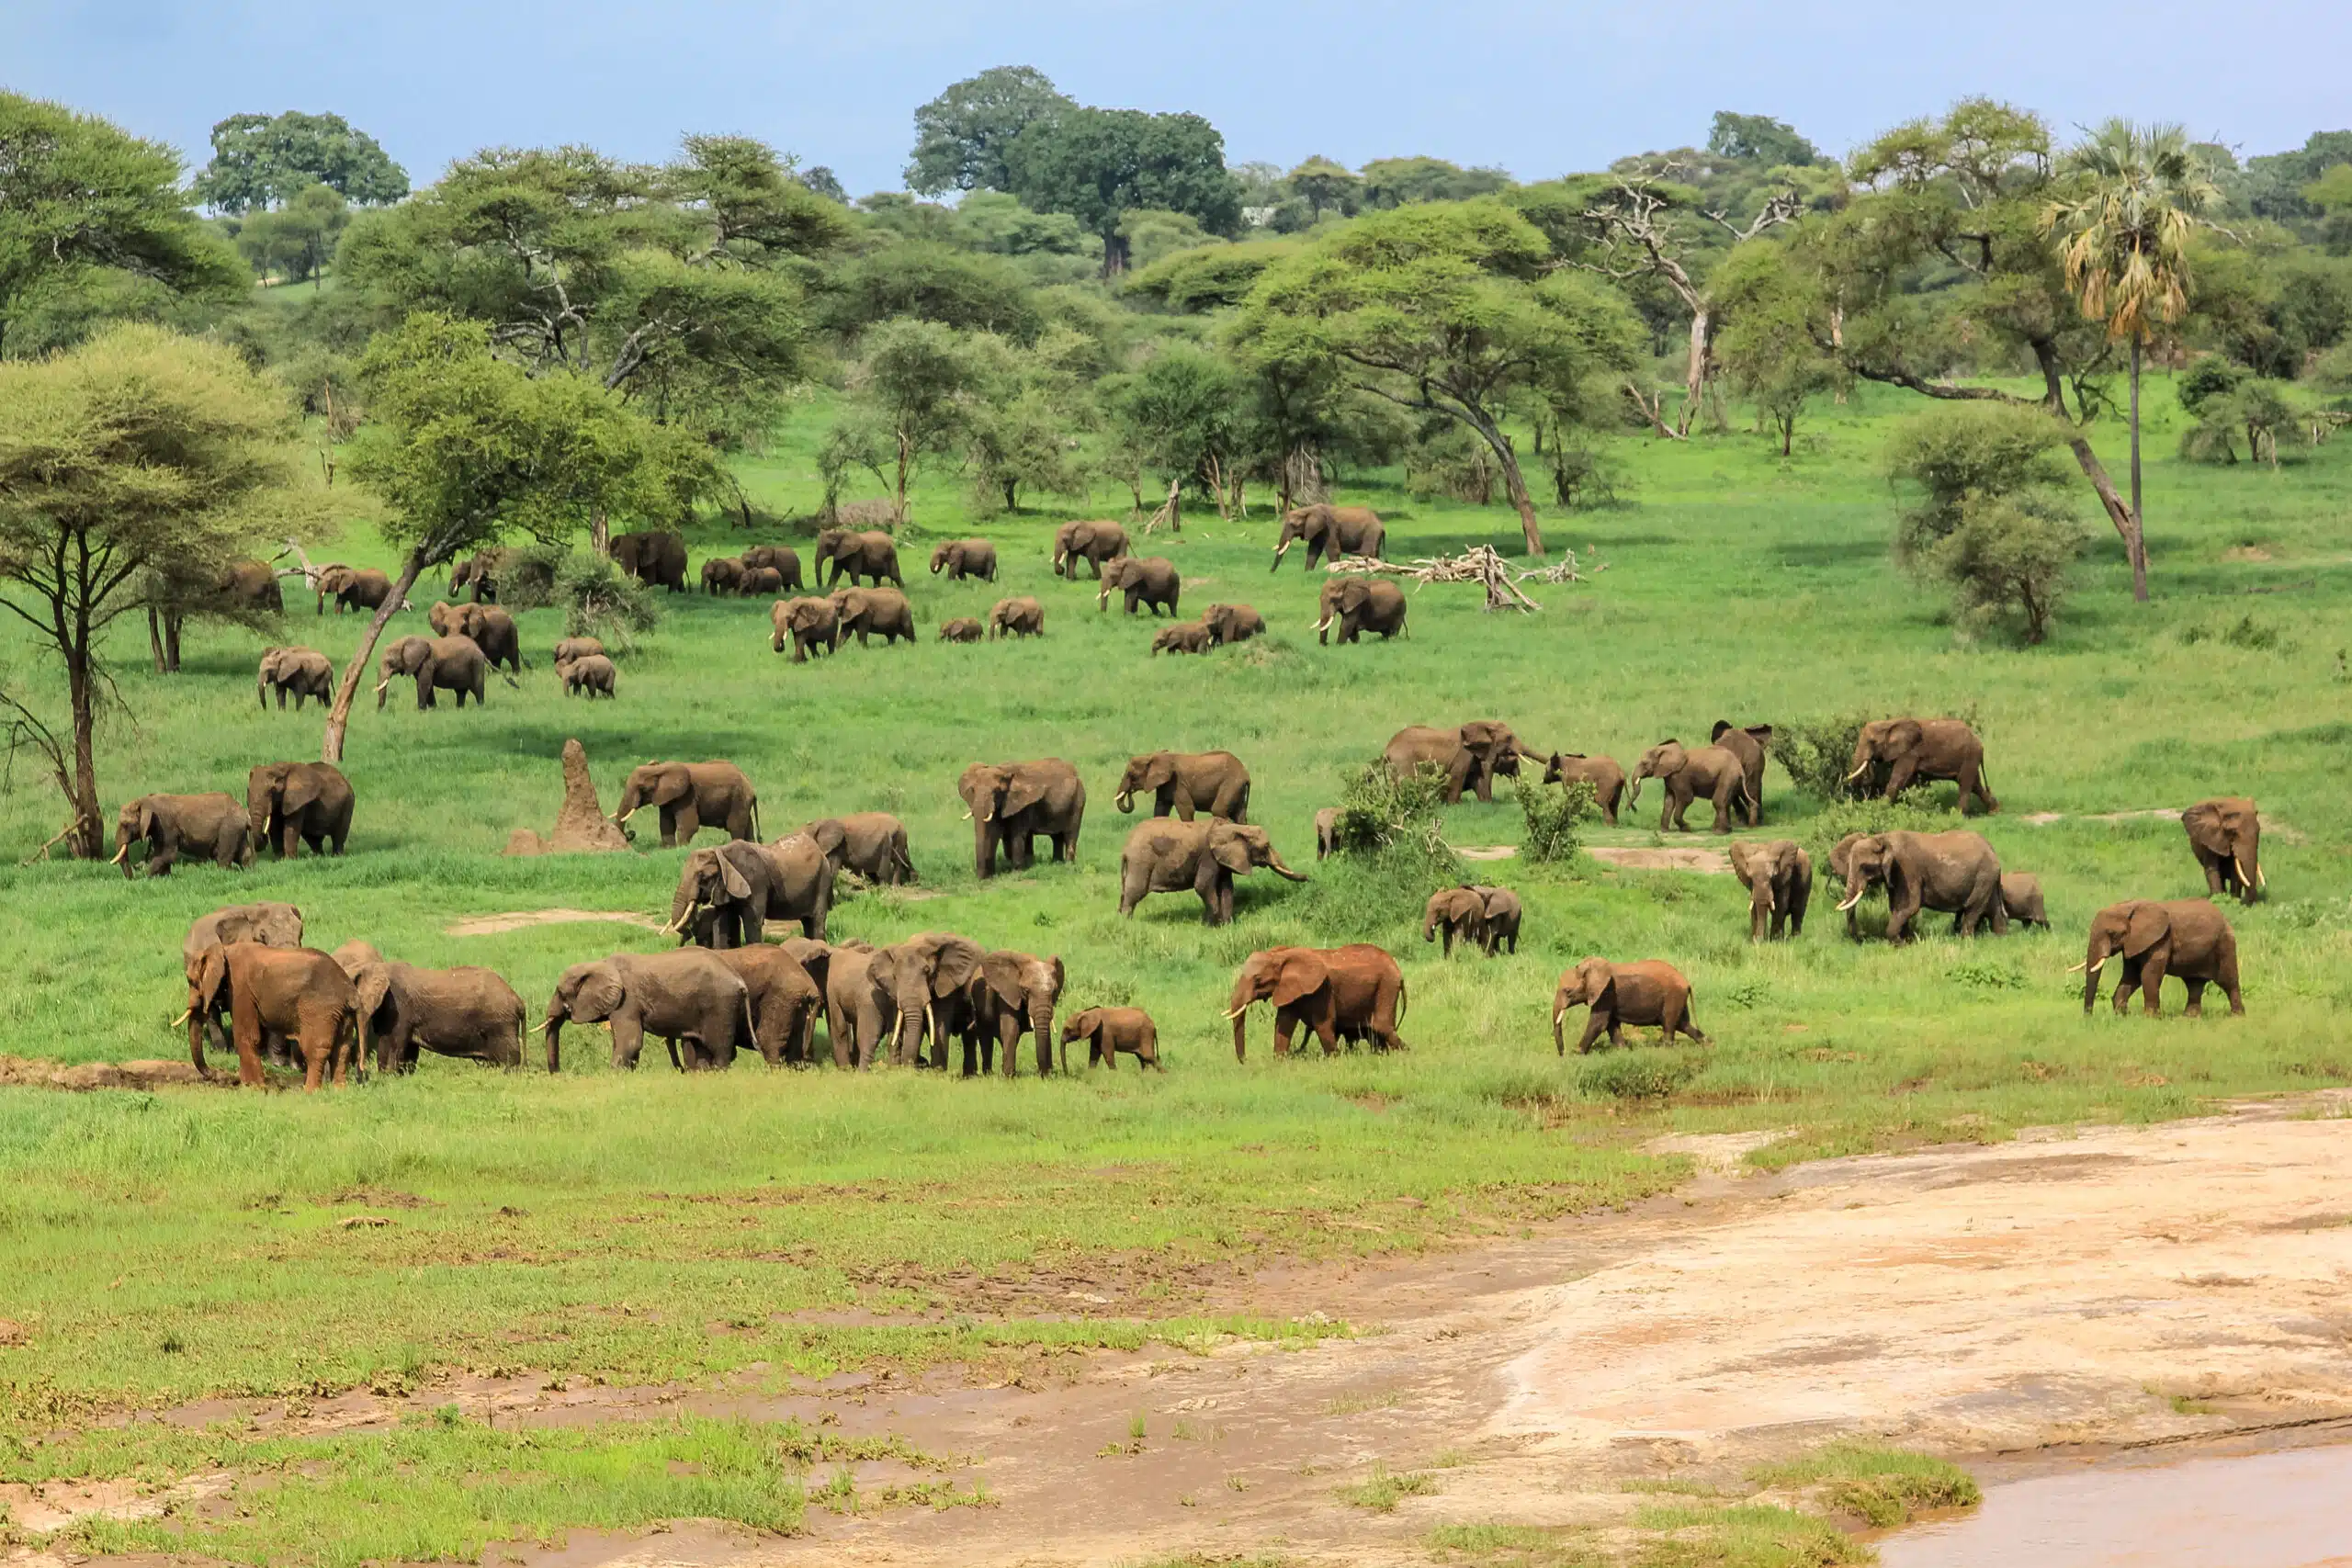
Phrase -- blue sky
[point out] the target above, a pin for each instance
(1537, 88)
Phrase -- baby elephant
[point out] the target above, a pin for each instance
(2021, 897)
(1110, 1030)
(1017, 617)
(1185, 636)
(593, 673)
(1652, 991)
(1327, 832)
(963, 629)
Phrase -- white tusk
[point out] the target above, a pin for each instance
(625, 815)
(2261, 878)
(1236, 1013)
(119, 855)
(2079, 969)
(1858, 773)
(1851, 902)
(1558, 1016)
(2244, 880)
(967, 816)
(182, 1019)
(931, 1022)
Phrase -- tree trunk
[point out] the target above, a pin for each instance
(172, 619)
(339, 715)
(89, 842)
(1695, 375)
(906, 459)
(600, 530)
(2127, 521)
(1514, 483)
(2137, 511)
(154, 637)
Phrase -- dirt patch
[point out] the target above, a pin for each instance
(54, 1505)
(2044, 818)
(27, 1072)
(494, 925)
(1672, 858)
(2254, 553)
(1487, 852)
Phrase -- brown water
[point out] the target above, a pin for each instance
(2268, 1510)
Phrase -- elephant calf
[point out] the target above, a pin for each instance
(1650, 992)
(1687, 773)
(1183, 783)
(2021, 897)
(572, 648)
(1489, 917)
(1232, 623)
(960, 558)
(1108, 1032)
(1327, 832)
(721, 574)
(1022, 616)
(963, 629)
(2189, 937)
(1779, 879)
(783, 557)
(466, 1011)
(1607, 778)
(1185, 636)
(812, 624)
(593, 673)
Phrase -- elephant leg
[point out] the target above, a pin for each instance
(1132, 888)
(1593, 1025)
(1205, 883)
(1285, 1022)
(2196, 1008)
(1008, 1041)
(629, 1040)
(1898, 921)
(689, 823)
(2227, 979)
(2215, 883)
(1900, 778)
(2152, 983)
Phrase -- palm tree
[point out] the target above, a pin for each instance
(2135, 194)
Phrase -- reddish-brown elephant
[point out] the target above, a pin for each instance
(1357, 989)
(295, 993)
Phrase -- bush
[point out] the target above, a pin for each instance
(1553, 814)
(1913, 811)
(1819, 752)
(2252, 408)
(1583, 478)
(1399, 821)
(1640, 1073)
(1450, 462)
(2008, 552)
(1987, 450)
(526, 579)
(602, 601)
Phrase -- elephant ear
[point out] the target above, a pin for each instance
(1841, 854)
(1025, 791)
(1353, 594)
(671, 785)
(1742, 867)
(882, 970)
(1493, 900)
(1160, 769)
(374, 983)
(731, 878)
(2204, 825)
(1229, 847)
(829, 834)
(1671, 757)
(1716, 734)
(298, 788)
(1303, 974)
(147, 821)
(1003, 972)
(978, 786)
(1760, 733)
(1903, 734)
(599, 995)
(1597, 978)
(211, 974)
(2147, 925)
(955, 963)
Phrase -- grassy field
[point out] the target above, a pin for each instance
(160, 1247)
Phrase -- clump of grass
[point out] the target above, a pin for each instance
(1883, 1486)
(1399, 822)
(1638, 1072)
(1749, 1536)
(1510, 1546)
(1384, 1489)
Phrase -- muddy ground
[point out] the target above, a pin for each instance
(2071, 1292)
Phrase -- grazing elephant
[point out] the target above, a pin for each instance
(466, 1011)
(727, 894)
(1454, 912)
(1355, 990)
(591, 672)
(2021, 901)
(249, 586)
(785, 1002)
(783, 559)
(1144, 579)
(1752, 744)
(1183, 636)
(927, 980)
(1330, 530)
(759, 582)
(1955, 871)
(859, 1014)
(492, 628)
(1712, 772)
(1109, 1031)
(1910, 750)
(1360, 604)
(1185, 781)
(295, 993)
(691, 795)
(1017, 617)
(868, 611)
(810, 622)
(1779, 879)
(2226, 835)
(213, 827)
(1013, 803)
(1652, 991)
(571, 648)
(361, 588)
(2188, 938)
(287, 801)
(960, 558)
(1093, 541)
(302, 670)
(1841, 856)
(1014, 993)
(1167, 855)
(1607, 778)
(1472, 755)
(656, 555)
(855, 556)
(480, 572)
(1327, 832)
(687, 995)
(1232, 623)
(963, 629)
(871, 843)
(440, 664)
(721, 574)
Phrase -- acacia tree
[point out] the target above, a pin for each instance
(914, 394)
(1766, 343)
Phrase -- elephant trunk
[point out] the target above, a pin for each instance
(2093, 964)
(1636, 799)
(195, 1017)
(1126, 800)
(554, 1034)
(1041, 1024)
(1244, 993)
(917, 1015)
(1274, 862)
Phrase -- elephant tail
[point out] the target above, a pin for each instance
(510, 680)
(755, 820)
(1400, 999)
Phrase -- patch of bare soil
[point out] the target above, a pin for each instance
(2044, 818)
(1487, 852)
(493, 925)
(27, 1072)
(1675, 857)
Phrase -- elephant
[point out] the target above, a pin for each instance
(687, 995)
(721, 574)
(960, 558)
(1955, 871)
(1168, 855)
(2189, 937)
(1330, 530)
(783, 559)
(855, 556)
(1779, 879)
(287, 801)
(466, 1011)
(1360, 604)
(1095, 541)
(1451, 912)
(1013, 994)
(1607, 778)
(1471, 755)
(1232, 623)
(2021, 900)
(1356, 990)
(927, 979)
(249, 586)
(353, 955)
(785, 1002)
(1504, 913)
(689, 795)
(871, 843)
(492, 628)
(654, 556)
(810, 622)
(2226, 836)
(480, 572)
(1841, 856)
(1712, 772)
(1013, 803)
(1183, 636)
(1752, 744)
(212, 826)
(867, 610)
(729, 894)
(591, 672)
(1108, 1032)
(1651, 992)
(440, 664)
(270, 924)
(304, 672)
(361, 588)
(1327, 832)
(1913, 749)
(759, 582)
(571, 648)
(1144, 579)
(1016, 617)
(297, 993)
(1185, 781)
(963, 629)
(859, 1014)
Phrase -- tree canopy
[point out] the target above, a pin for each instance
(1098, 165)
(962, 136)
(264, 160)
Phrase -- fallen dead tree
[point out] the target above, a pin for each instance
(1482, 564)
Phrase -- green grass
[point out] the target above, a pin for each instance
(1382, 1490)
(1883, 1486)
(1748, 1536)
(1510, 1546)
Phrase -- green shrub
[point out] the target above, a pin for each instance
(2008, 553)
(1914, 811)
(527, 581)
(1399, 821)
(1819, 752)
(1885, 1486)
(1553, 814)
(1988, 450)
(602, 601)
(1639, 1073)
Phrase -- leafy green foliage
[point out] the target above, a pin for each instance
(1954, 452)
(1637, 1072)
(1099, 165)
(1886, 1486)
(598, 599)
(1818, 752)
(927, 281)
(297, 241)
(260, 161)
(2009, 553)
(1554, 815)
(1400, 182)
(964, 137)
(1208, 277)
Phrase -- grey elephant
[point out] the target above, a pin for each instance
(1752, 744)
(1093, 541)
(2021, 898)
(1359, 605)
(1607, 778)
(1022, 616)
(468, 1012)
(785, 1002)
(759, 582)
(1487, 917)
(2186, 938)
(927, 979)
(782, 560)
(2226, 836)
(1168, 855)
(480, 572)
(440, 664)
(691, 795)
(304, 672)
(1232, 623)
(591, 672)
(1143, 580)
(492, 630)
(1182, 782)
(1327, 832)
(309, 801)
(871, 843)
(571, 648)
(960, 558)
(249, 586)
(721, 574)
(1710, 772)
(1014, 994)
(1779, 879)
(859, 1015)
(725, 895)
(1013, 804)
(1649, 992)
(351, 588)
(1470, 756)
(656, 555)
(855, 556)
(810, 623)
(1109, 1031)
(688, 997)
(1182, 637)
(1330, 530)
(1956, 873)
(209, 826)
(963, 629)
(1907, 750)
(873, 612)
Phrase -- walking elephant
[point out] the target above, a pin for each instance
(1955, 873)
(1649, 992)
(721, 574)
(1232, 623)
(872, 612)
(1015, 993)
(1752, 744)
(1453, 912)
(1684, 775)
(1016, 617)
(1469, 756)
(492, 628)
(480, 572)
(725, 895)
(784, 1000)
(1013, 804)
(288, 993)
(1607, 778)
(960, 558)
(1357, 990)
(2226, 836)
(591, 672)
(759, 582)
(687, 997)
(1168, 855)
(1182, 637)
(304, 672)
(440, 664)
(285, 802)
(1910, 750)
(1779, 879)
(1093, 541)
(654, 556)
(812, 624)
(871, 843)
(570, 648)
(1330, 530)
(1144, 579)
(364, 588)
(855, 556)
(209, 826)
(782, 560)
(1185, 781)
(1109, 1031)
(963, 629)
(468, 1012)
(2188, 938)
(1359, 605)
(691, 795)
